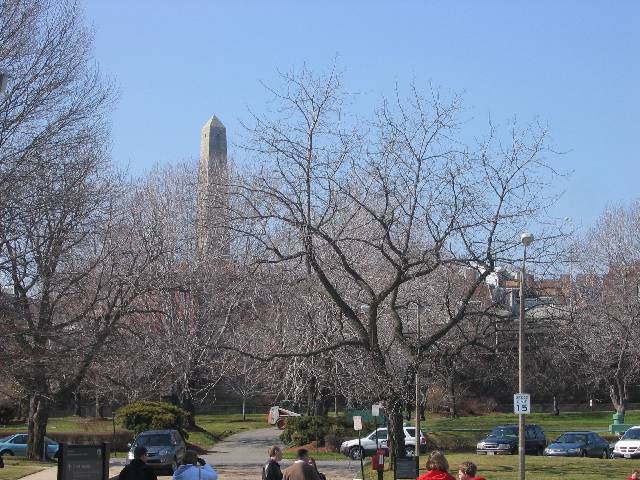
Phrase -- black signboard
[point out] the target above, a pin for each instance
(406, 468)
(83, 462)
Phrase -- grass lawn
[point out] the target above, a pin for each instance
(18, 468)
(462, 433)
(537, 468)
(597, 421)
(216, 427)
(213, 427)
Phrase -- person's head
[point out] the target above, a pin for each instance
(467, 470)
(140, 453)
(275, 452)
(190, 458)
(302, 454)
(635, 474)
(437, 462)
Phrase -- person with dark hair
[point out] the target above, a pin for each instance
(438, 468)
(301, 468)
(194, 468)
(271, 470)
(467, 471)
(138, 468)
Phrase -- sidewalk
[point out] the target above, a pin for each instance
(51, 473)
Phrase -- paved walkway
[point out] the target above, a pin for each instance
(241, 456)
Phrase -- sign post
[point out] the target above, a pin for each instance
(357, 425)
(375, 412)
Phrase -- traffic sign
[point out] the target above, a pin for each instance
(522, 403)
(357, 423)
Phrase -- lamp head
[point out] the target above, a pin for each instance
(526, 239)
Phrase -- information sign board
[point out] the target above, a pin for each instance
(521, 403)
(83, 462)
(357, 423)
(406, 468)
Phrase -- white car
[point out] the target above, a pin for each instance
(368, 445)
(629, 445)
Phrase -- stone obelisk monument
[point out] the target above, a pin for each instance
(212, 223)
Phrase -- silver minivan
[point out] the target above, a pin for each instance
(164, 447)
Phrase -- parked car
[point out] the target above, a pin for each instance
(629, 445)
(165, 448)
(578, 444)
(503, 440)
(17, 445)
(351, 449)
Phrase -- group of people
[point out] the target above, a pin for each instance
(438, 469)
(303, 468)
(192, 468)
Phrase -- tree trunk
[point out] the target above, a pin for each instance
(77, 404)
(394, 411)
(244, 408)
(453, 406)
(97, 412)
(556, 409)
(618, 398)
(37, 427)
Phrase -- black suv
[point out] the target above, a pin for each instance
(503, 440)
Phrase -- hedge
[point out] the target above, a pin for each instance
(141, 416)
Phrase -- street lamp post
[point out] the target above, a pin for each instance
(417, 446)
(3, 81)
(526, 239)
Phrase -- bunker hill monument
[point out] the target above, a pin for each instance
(213, 173)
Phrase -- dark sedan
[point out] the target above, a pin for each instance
(578, 444)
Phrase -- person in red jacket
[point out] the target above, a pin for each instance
(438, 468)
(467, 471)
(635, 475)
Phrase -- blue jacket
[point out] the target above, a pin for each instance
(193, 472)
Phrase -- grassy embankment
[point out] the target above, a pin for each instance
(18, 468)
(538, 468)
(211, 428)
(461, 434)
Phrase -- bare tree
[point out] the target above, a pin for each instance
(607, 303)
(373, 213)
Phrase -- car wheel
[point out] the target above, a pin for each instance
(355, 453)
(410, 452)
(174, 466)
(605, 453)
(6, 452)
(583, 453)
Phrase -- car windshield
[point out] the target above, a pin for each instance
(505, 432)
(632, 434)
(572, 438)
(157, 440)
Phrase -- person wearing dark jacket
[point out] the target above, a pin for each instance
(271, 470)
(138, 468)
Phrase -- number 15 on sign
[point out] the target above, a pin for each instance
(522, 404)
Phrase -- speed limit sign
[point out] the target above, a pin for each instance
(521, 403)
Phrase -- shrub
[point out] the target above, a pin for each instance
(6, 413)
(141, 416)
(327, 431)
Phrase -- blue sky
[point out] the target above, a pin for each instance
(572, 64)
